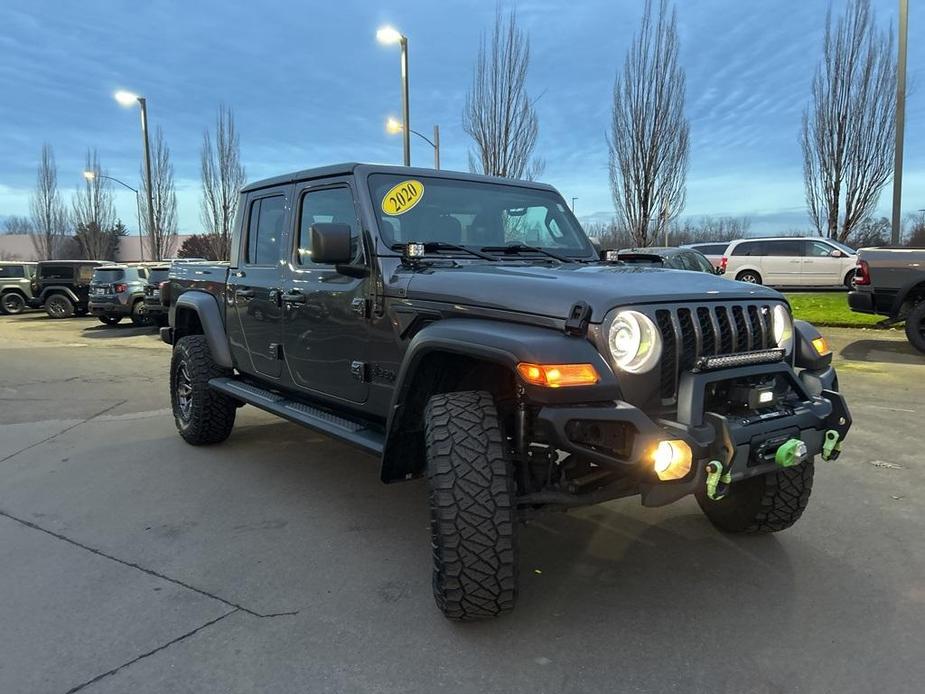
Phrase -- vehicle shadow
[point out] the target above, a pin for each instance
(119, 330)
(886, 351)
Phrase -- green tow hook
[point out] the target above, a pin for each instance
(715, 476)
(791, 452)
(831, 448)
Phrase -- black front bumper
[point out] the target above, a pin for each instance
(744, 443)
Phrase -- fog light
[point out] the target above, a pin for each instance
(671, 460)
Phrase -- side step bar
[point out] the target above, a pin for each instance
(353, 431)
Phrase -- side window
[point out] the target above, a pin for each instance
(84, 273)
(694, 262)
(750, 248)
(818, 249)
(264, 230)
(12, 271)
(785, 249)
(326, 205)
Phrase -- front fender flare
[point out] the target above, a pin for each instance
(206, 306)
(504, 344)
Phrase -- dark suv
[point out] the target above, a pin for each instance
(62, 287)
(117, 292)
(153, 308)
(463, 328)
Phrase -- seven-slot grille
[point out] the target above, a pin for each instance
(692, 332)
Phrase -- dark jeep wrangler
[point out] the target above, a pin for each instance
(464, 328)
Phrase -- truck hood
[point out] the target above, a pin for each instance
(552, 290)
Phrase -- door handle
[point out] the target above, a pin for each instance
(244, 293)
(293, 297)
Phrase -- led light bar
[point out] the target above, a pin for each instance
(728, 361)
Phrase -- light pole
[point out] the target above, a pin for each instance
(129, 99)
(574, 198)
(90, 175)
(393, 126)
(900, 120)
(389, 35)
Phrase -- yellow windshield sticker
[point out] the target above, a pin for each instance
(402, 197)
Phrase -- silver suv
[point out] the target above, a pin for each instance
(15, 286)
(117, 292)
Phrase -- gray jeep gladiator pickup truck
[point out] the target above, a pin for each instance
(464, 328)
(891, 282)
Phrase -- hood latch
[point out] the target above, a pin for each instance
(578, 318)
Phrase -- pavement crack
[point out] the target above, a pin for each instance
(63, 431)
(150, 653)
(143, 569)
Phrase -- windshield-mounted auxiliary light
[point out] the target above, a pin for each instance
(728, 361)
(413, 251)
(610, 256)
(671, 459)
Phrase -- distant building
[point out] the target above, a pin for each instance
(20, 247)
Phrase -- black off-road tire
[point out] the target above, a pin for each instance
(59, 306)
(915, 326)
(12, 303)
(749, 276)
(109, 320)
(203, 415)
(472, 507)
(764, 504)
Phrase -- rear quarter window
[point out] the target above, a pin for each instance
(57, 272)
(749, 248)
(12, 271)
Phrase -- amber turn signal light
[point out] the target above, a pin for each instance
(558, 375)
(821, 346)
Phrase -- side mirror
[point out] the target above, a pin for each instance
(836, 253)
(331, 243)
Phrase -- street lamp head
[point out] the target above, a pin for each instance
(393, 126)
(126, 98)
(89, 175)
(388, 35)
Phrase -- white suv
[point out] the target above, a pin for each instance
(790, 262)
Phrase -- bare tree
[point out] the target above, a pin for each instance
(848, 130)
(15, 224)
(498, 114)
(94, 213)
(163, 236)
(649, 134)
(222, 177)
(49, 215)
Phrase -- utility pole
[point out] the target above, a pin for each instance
(900, 121)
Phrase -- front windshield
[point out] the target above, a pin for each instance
(473, 214)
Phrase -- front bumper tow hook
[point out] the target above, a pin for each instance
(831, 448)
(717, 482)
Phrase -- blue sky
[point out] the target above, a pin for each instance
(309, 85)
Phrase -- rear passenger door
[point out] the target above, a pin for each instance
(783, 262)
(253, 291)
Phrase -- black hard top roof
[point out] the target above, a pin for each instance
(349, 168)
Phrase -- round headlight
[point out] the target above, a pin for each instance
(782, 327)
(634, 342)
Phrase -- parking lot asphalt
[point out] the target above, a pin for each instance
(277, 562)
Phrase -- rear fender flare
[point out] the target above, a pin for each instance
(55, 289)
(210, 318)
